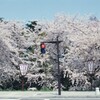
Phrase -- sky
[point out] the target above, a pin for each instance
(27, 10)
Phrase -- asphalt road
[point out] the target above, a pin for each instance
(50, 98)
(63, 99)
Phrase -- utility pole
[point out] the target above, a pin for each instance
(57, 42)
(59, 83)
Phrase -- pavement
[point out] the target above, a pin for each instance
(52, 95)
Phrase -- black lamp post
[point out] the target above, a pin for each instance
(23, 70)
(91, 71)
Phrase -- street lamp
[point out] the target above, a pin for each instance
(23, 70)
(91, 71)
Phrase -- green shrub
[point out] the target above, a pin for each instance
(45, 88)
(42, 34)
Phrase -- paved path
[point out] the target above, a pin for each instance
(32, 95)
